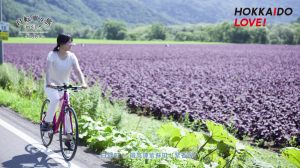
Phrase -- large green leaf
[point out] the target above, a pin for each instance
(211, 143)
(218, 159)
(174, 140)
(219, 133)
(121, 139)
(200, 138)
(292, 155)
(188, 141)
(101, 138)
(168, 131)
(224, 150)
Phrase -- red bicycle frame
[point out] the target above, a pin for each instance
(61, 117)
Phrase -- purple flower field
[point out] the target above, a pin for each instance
(255, 88)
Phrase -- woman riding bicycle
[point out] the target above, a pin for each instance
(60, 62)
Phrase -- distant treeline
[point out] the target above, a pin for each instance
(222, 32)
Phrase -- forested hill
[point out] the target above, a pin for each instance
(94, 12)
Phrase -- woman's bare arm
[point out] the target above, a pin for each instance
(47, 72)
(79, 74)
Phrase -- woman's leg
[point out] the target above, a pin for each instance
(54, 96)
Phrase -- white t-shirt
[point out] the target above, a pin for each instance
(60, 69)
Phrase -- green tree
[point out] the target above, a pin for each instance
(184, 36)
(13, 29)
(114, 30)
(157, 31)
(259, 35)
(239, 35)
(55, 30)
(201, 36)
(281, 34)
(88, 33)
(220, 32)
(224, 32)
(98, 34)
(274, 38)
(296, 28)
(287, 35)
(132, 36)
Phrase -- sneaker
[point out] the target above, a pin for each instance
(45, 126)
(70, 145)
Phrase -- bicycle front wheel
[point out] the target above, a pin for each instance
(46, 136)
(68, 134)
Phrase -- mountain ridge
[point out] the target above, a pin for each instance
(170, 12)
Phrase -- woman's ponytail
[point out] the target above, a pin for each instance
(56, 48)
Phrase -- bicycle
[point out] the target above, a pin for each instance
(60, 123)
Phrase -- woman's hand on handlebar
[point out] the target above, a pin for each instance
(52, 85)
(84, 86)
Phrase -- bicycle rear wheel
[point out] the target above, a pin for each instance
(69, 152)
(46, 136)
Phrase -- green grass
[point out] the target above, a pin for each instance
(272, 158)
(23, 40)
(29, 109)
(142, 124)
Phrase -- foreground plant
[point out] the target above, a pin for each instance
(178, 147)
(292, 155)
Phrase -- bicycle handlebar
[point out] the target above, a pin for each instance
(66, 87)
